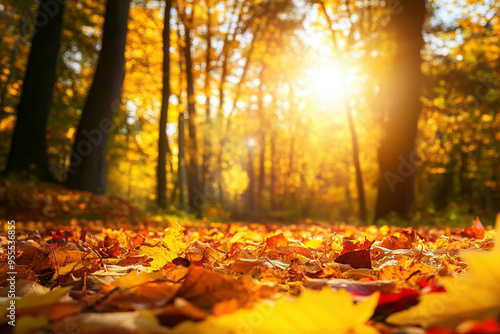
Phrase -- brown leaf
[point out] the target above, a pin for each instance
(205, 288)
(356, 259)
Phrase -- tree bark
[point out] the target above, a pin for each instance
(362, 213)
(250, 191)
(88, 157)
(28, 151)
(181, 127)
(224, 139)
(272, 188)
(262, 142)
(205, 172)
(163, 148)
(401, 91)
(196, 197)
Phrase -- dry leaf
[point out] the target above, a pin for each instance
(312, 312)
(472, 296)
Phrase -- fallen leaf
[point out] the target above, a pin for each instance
(356, 259)
(134, 279)
(111, 323)
(354, 287)
(275, 241)
(472, 296)
(29, 324)
(312, 312)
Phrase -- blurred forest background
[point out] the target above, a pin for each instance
(277, 110)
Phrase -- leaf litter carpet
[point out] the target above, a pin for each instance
(254, 278)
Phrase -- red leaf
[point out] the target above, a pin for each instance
(489, 325)
(356, 259)
(277, 240)
(475, 231)
(394, 302)
(350, 246)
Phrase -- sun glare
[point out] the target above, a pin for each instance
(329, 83)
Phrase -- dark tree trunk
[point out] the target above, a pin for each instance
(250, 191)
(181, 126)
(196, 197)
(205, 172)
(28, 151)
(347, 189)
(401, 91)
(163, 148)
(88, 157)
(272, 188)
(289, 181)
(181, 161)
(357, 166)
(262, 142)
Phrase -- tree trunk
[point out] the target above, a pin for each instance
(262, 142)
(181, 126)
(401, 90)
(28, 151)
(272, 188)
(205, 172)
(355, 149)
(196, 198)
(163, 148)
(357, 166)
(88, 157)
(250, 191)
(181, 161)
(224, 138)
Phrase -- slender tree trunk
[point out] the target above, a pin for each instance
(250, 192)
(205, 173)
(224, 55)
(28, 151)
(288, 195)
(88, 158)
(196, 198)
(347, 188)
(224, 138)
(357, 166)
(402, 89)
(130, 167)
(272, 188)
(181, 126)
(181, 161)
(220, 181)
(355, 149)
(163, 148)
(262, 142)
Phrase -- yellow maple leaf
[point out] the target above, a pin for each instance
(474, 295)
(312, 312)
(160, 255)
(174, 239)
(314, 243)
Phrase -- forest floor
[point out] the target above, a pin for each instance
(93, 264)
